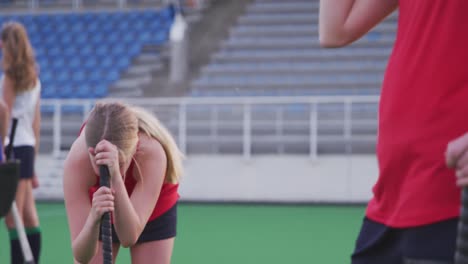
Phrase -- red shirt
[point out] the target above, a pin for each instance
(167, 197)
(424, 105)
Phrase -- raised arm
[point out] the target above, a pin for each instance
(83, 218)
(341, 22)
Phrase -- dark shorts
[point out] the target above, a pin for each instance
(25, 154)
(163, 227)
(429, 244)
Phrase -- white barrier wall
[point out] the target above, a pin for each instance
(279, 179)
(260, 179)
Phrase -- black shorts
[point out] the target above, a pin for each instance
(163, 227)
(25, 154)
(428, 244)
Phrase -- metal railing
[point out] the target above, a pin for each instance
(243, 123)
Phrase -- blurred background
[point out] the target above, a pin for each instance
(279, 133)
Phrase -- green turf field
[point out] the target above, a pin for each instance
(230, 234)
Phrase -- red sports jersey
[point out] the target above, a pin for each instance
(167, 197)
(424, 105)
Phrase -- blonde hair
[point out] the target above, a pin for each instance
(150, 125)
(120, 123)
(18, 57)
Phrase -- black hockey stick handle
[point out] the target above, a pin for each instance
(9, 148)
(461, 254)
(106, 229)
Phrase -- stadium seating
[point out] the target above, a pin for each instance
(274, 50)
(81, 54)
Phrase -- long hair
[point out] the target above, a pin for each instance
(150, 125)
(120, 123)
(18, 57)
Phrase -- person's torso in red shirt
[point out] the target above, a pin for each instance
(168, 196)
(424, 105)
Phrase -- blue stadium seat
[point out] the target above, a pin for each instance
(64, 90)
(77, 28)
(114, 37)
(85, 51)
(101, 51)
(80, 40)
(124, 26)
(106, 62)
(99, 91)
(57, 63)
(78, 77)
(48, 91)
(111, 76)
(122, 62)
(69, 51)
(47, 28)
(159, 37)
(63, 77)
(90, 62)
(119, 50)
(46, 76)
(133, 49)
(62, 28)
(84, 91)
(96, 39)
(93, 26)
(81, 54)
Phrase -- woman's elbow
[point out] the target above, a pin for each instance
(331, 41)
(129, 236)
(81, 258)
(129, 239)
(129, 242)
(333, 37)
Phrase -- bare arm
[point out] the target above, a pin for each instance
(8, 95)
(132, 213)
(37, 125)
(341, 22)
(83, 224)
(3, 121)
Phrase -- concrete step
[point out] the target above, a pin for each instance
(297, 30)
(299, 43)
(278, 19)
(268, 82)
(138, 70)
(243, 69)
(286, 91)
(309, 18)
(155, 49)
(286, 7)
(299, 72)
(298, 55)
(148, 59)
(130, 83)
(129, 93)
